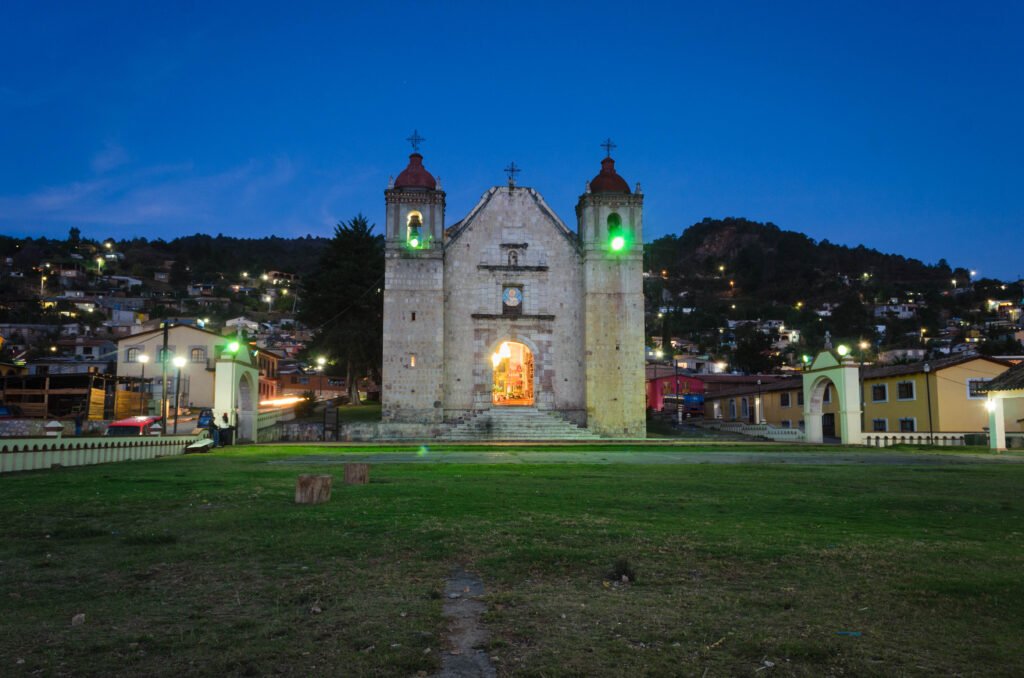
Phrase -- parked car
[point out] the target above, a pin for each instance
(141, 425)
(9, 411)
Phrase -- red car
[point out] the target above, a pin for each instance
(134, 426)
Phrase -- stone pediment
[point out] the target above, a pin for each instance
(526, 200)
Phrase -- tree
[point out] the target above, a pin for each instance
(342, 301)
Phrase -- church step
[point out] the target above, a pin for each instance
(517, 423)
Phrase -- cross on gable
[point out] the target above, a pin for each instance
(608, 145)
(415, 140)
(512, 171)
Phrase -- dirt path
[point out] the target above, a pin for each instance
(512, 456)
(463, 608)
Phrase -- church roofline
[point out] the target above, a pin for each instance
(459, 227)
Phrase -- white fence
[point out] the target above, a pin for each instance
(957, 439)
(30, 454)
(789, 435)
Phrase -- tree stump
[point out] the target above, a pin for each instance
(357, 474)
(313, 489)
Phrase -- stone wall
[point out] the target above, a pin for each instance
(31, 428)
(513, 238)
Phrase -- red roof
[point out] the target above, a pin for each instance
(608, 180)
(415, 175)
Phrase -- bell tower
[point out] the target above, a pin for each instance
(609, 227)
(413, 366)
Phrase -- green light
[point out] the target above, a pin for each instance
(806, 358)
(233, 347)
(414, 242)
(618, 242)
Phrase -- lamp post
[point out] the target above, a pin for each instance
(143, 359)
(757, 405)
(928, 390)
(42, 285)
(320, 362)
(179, 362)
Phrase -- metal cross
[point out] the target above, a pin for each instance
(512, 171)
(608, 145)
(415, 140)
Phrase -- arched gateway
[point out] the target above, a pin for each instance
(828, 370)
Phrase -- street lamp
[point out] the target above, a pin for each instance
(320, 362)
(143, 359)
(267, 298)
(179, 362)
(42, 286)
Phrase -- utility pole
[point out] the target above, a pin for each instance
(163, 387)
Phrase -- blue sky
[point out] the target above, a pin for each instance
(896, 125)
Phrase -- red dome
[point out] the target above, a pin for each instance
(608, 180)
(415, 175)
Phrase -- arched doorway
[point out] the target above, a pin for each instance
(512, 375)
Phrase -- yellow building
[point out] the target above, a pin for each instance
(937, 396)
(780, 404)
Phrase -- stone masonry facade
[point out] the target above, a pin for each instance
(579, 309)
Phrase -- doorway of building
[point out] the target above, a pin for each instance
(512, 382)
(828, 425)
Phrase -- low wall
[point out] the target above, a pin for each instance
(354, 432)
(787, 435)
(30, 428)
(30, 454)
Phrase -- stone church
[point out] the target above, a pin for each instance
(509, 308)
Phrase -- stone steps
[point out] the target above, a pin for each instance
(517, 423)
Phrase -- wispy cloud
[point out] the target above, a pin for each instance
(159, 197)
(111, 157)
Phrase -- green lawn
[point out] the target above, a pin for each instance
(202, 565)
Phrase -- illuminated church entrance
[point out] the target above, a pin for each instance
(513, 375)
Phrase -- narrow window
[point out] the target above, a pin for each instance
(198, 355)
(799, 397)
(905, 390)
(828, 394)
(132, 355)
(784, 400)
(412, 360)
(414, 316)
(879, 393)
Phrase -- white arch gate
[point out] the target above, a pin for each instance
(844, 375)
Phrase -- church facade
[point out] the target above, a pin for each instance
(509, 308)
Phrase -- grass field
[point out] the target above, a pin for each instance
(202, 565)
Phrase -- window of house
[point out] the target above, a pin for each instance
(198, 354)
(908, 425)
(905, 390)
(974, 387)
(784, 400)
(879, 424)
(787, 423)
(732, 409)
(800, 397)
(880, 393)
(745, 408)
(165, 355)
